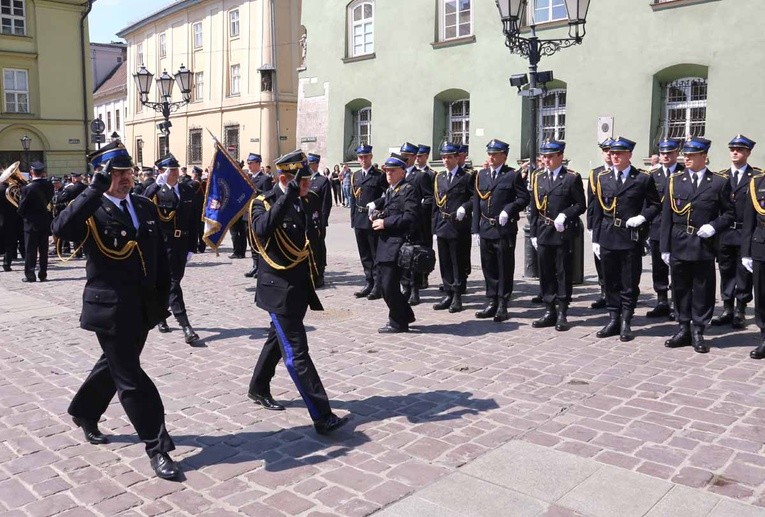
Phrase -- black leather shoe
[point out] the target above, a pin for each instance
(387, 329)
(235, 256)
(626, 334)
(487, 312)
(90, 430)
(759, 352)
(548, 319)
(330, 423)
(611, 328)
(375, 294)
(660, 311)
(189, 336)
(27, 279)
(7, 268)
(697, 338)
(725, 317)
(501, 314)
(456, 305)
(681, 338)
(537, 299)
(164, 467)
(739, 316)
(266, 401)
(162, 327)
(600, 303)
(444, 304)
(441, 288)
(251, 273)
(364, 292)
(414, 298)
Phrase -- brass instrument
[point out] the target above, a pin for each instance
(13, 178)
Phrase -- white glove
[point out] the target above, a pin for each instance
(460, 213)
(534, 242)
(748, 263)
(503, 217)
(634, 222)
(596, 249)
(665, 258)
(476, 239)
(559, 222)
(371, 206)
(189, 255)
(706, 231)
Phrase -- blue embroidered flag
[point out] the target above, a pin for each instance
(229, 192)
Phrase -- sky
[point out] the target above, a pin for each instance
(111, 16)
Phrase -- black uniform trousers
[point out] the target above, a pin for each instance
(239, 236)
(498, 264)
(426, 235)
(35, 242)
(118, 370)
(287, 339)
(201, 244)
(555, 276)
(176, 253)
(659, 269)
(400, 314)
(693, 288)
(320, 253)
(759, 294)
(463, 249)
(735, 280)
(621, 277)
(598, 270)
(366, 241)
(451, 262)
(10, 243)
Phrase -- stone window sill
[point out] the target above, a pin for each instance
(453, 42)
(671, 4)
(359, 58)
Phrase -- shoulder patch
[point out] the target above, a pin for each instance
(723, 173)
(261, 198)
(643, 171)
(573, 172)
(677, 174)
(608, 171)
(756, 169)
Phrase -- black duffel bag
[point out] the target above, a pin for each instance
(416, 258)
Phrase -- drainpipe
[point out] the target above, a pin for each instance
(85, 92)
(276, 78)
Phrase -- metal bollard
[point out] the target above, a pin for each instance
(530, 265)
(577, 261)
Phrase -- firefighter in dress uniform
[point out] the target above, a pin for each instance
(592, 200)
(753, 253)
(321, 187)
(263, 183)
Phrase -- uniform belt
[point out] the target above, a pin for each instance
(494, 221)
(617, 221)
(736, 226)
(446, 215)
(547, 221)
(362, 210)
(690, 230)
(179, 233)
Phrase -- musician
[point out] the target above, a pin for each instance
(11, 225)
(556, 204)
(453, 196)
(175, 202)
(125, 295)
(500, 196)
(367, 184)
(697, 207)
(627, 202)
(34, 209)
(394, 218)
(282, 233)
(322, 187)
(263, 182)
(605, 146)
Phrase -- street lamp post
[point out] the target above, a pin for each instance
(165, 84)
(26, 143)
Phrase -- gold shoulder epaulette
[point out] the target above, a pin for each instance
(756, 169)
(573, 172)
(607, 171)
(261, 197)
(643, 171)
(723, 173)
(676, 174)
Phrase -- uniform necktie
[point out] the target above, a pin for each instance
(694, 178)
(124, 206)
(736, 178)
(493, 175)
(619, 180)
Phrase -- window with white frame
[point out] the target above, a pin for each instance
(108, 121)
(549, 11)
(234, 80)
(233, 23)
(197, 30)
(195, 146)
(139, 54)
(162, 145)
(16, 90)
(362, 126)
(199, 86)
(360, 28)
(231, 140)
(117, 119)
(458, 123)
(162, 45)
(12, 17)
(685, 107)
(552, 116)
(456, 19)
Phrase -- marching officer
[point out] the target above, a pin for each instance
(627, 202)
(11, 225)
(322, 187)
(394, 218)
(453, 195)
(367, 184)
(33, 209)
(175, 202)
(125, 295)
(263, 183)
(668, 152)
(556, 204)
(696, 207)
(605, 146)
(753, 252)
(735, 279)
(285, 290)
(500, 196)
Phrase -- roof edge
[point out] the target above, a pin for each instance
(173, 8)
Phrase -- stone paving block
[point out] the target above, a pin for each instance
(727, 508)
(683, 501)
(417, 507)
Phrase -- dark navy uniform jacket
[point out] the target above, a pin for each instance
(364, 190)
(507, 192)
(562, 196)
(661, 182)
(741, 203)
(452, 196)
(400, 211)
(753, 233)
(178, 231)
(33, 205)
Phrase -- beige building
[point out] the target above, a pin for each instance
(46, 83)
(244, 56)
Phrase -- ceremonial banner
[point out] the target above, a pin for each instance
(228, 195)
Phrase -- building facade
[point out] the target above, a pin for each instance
(46, 83)
(110, 102)
(244, 56)
(104, 60)
(384, 72)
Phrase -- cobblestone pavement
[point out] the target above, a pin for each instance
(422, 404)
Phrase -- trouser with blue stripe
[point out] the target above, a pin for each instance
(287, 339)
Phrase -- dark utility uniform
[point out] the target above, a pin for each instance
(453, 236)
(365, 188)
(592, 200)
(33, 209)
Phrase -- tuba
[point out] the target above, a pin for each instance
(13, 178)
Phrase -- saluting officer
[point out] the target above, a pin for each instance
(735, 279)
(753, 252)
(282, 233)
(322, 187)
(367, 184)
(627, 202)
(263, 183)
(557, 202)
(394, 218)
(125, 294)
(33, 208)
(696, 207)
(592, 200)
(668, 153)
(175, 202)
(500, 196)
(411, 282)
(453, 195)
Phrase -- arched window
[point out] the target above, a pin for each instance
(685, 107)
(552, 116)
(358, 126)
(360, 28)
(459, 122)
